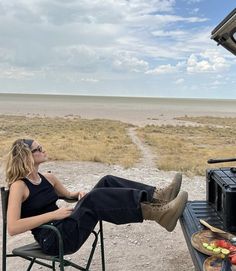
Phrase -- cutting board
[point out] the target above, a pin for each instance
(207, 236)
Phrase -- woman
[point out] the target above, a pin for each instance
(33, 196)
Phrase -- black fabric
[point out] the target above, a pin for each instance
(28, 142)
(42, 199)
(113, 199)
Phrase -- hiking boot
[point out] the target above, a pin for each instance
(170, 192)
(168, 214)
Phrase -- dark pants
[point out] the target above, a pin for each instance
(113, 199)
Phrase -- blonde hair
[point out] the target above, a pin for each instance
(19, 162)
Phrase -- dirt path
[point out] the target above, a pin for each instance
(147, 159)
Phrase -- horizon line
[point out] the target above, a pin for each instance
(116, 96)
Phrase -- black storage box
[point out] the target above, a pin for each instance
(221, 193)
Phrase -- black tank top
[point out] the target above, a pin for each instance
(42, 199)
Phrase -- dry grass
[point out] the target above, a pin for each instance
(187, 148)
(180, 148)
(103, 141)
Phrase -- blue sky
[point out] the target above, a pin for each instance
(155, 48)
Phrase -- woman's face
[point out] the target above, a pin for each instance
(39, 154)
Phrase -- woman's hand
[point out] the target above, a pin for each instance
(62, 213)
(77, 195)
(81, 194)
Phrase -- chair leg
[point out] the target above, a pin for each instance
(4, 260)
(61, 265)
(31, 264)
(94, 245)
(53, 266)
(102, 245)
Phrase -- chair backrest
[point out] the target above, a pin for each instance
(4, 199)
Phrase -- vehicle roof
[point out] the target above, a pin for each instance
(225, 32)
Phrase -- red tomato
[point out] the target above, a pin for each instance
(232, 248)
(217, 243)
(223, 244)
(233, 259)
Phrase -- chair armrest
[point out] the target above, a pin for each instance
(60, 241)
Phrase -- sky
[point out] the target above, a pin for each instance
(141, 48)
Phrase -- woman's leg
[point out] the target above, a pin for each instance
(124, 205)
(115, 205)
(117, 182)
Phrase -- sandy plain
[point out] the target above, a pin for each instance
(131, 247)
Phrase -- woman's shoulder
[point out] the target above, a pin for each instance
(18, 184)
(18, 188)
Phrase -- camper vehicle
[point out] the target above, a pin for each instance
(218, 209)
(225, 33)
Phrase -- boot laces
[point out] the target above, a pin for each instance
(160, 202)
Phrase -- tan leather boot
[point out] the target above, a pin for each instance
(170, 192)
(168, 214)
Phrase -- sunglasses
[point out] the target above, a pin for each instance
(39, 149)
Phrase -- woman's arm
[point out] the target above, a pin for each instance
(18, 225)
(61, 190)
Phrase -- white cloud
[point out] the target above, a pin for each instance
(82, 57)
(217, 83)
(193, 1)
(59, 31)
(16, 73)
(163, 69)
(171, 34)
(84, 11)
(91, 80)
(94, 43)
(74, 77)
(179, 81)
(207, 61)
(168, 68)
(124, 61)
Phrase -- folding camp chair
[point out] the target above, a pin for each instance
(33, 253)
